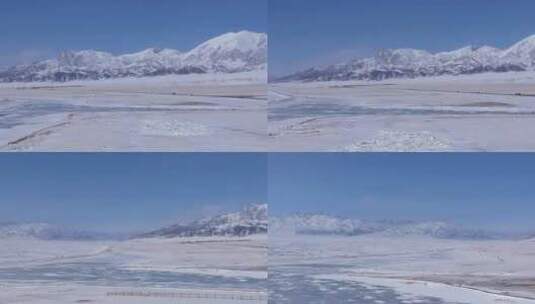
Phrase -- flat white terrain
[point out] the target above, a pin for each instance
(209, 112)
(482, 112)
(392, 270)
(190, 270)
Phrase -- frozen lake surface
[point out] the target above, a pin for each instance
(465, 113)
(297, 285)
(195, 270)
(398, 270)
(168, 113)
(307, 107)
(108, 274)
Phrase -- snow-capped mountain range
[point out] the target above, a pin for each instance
(253, 219)
(411, 63)
(229, 53)
(45, 231)
(320, 224)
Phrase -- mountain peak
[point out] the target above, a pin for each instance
(523, 50)
(529, 39)
(244, 41)
(237, 36)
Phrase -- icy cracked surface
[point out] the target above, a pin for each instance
(395, 270)
(195, 270)
(298, 286)
(107, 274)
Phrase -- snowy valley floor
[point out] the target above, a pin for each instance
(390, 270)
(483, 112)
(195, 270)
(167, 113)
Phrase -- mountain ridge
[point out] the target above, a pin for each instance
(413, 63)
(321, 224)
(252, 219)
(46, 231)
(228, 53)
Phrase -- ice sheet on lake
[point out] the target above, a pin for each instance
(195, 270)
(394, 270)
(483, 112)
(211, 112)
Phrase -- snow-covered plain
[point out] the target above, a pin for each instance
(155, 270)
(196, 112)
(481, 112)
(411, 269)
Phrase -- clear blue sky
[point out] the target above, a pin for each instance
(493, 191)
(127, 192)
(305, 33)
(32, 29)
